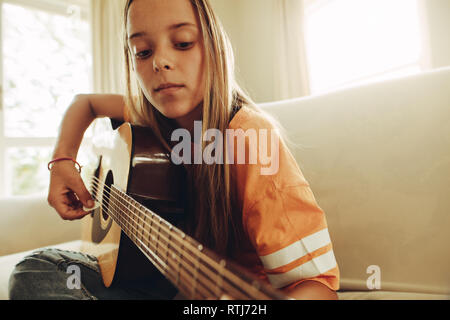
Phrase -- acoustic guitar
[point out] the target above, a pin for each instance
(135, 228)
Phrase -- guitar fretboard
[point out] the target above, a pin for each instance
(196, 271)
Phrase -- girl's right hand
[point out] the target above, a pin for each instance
(67, 193)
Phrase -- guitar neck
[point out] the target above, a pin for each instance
(197, 272)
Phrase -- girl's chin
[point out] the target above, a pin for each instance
(178, 111)
(174, 113)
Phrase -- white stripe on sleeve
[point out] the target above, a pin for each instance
(296, 250)
(310, 269)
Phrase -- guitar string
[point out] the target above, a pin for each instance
(152, 222)
(237, 281)
(229, 276)
(230, 286)
(201, 269)
(159, 264)
(234, 281)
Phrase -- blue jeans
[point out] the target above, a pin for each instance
(51, 274)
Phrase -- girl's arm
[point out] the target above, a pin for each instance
(67, 192)
(84, 109)
(311, 290)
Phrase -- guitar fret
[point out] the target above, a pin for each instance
(125, 217)
(114, 205)
(183, 271)
(194, 287)
(134, 226)
(152, 232)
(157, 235)
(113, 208)
(146, 236)
(164, 244)
(219, 281)
(147, 228)
(122, 215)
(129, 221)
(180, 256)
(116, 208)
(144, 224)
(168, 244)
(137, 220)
(133, 221)
(151, 236)
(137, 224)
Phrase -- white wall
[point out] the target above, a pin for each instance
(249, 24)
(438, 16)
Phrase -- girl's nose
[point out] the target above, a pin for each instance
(160, 64)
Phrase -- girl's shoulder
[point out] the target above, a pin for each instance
(252, 117)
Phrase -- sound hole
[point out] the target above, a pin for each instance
(109, 181)
(101, 224)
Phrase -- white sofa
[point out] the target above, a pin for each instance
(377, 157)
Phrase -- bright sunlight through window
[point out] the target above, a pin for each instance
(46, 61)
(355, 41)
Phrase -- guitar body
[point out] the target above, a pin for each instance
(133, 160)
(136, 232)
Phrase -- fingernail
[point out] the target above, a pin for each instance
(90, 203)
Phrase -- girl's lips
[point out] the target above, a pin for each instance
(170, 90)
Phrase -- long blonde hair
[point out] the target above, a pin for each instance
(215, 219)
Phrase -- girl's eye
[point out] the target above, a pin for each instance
(143, 54)
(184, 45)
(146, 53)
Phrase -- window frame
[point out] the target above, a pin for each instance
(52, 6)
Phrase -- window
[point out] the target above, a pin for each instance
(46, 60)
(356, 41)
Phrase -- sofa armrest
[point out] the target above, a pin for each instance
(29, 222)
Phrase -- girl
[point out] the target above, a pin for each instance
(181, 60)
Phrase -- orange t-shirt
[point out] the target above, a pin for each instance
(287, 235)
(285, 226)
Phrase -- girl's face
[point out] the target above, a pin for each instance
(166, 46)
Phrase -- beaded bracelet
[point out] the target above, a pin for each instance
(61, 159)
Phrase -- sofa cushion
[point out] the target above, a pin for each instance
(389, 295)
(29, 222)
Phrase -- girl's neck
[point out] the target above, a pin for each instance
(187, 121)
